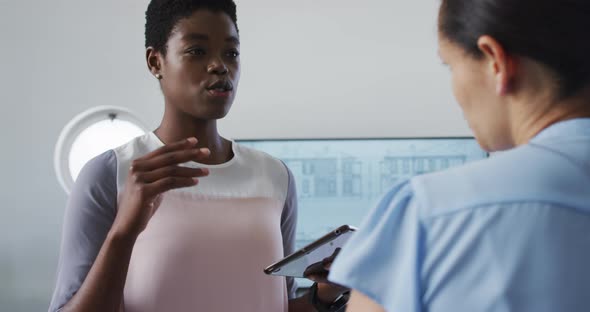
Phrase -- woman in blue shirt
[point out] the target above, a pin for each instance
(510, 233)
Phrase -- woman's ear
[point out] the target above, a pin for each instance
(501, 65)
(153, 60)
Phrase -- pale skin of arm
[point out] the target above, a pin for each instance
(360, 303)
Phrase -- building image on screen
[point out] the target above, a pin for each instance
(338, 181)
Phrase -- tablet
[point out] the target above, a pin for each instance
(327, 246)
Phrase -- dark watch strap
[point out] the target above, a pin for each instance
(337, 306)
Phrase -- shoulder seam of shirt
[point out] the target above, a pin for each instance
(567, 157)
(508, 202)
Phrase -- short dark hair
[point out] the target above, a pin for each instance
(162, 15)
(551, 32)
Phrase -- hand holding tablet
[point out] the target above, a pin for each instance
(313, 260)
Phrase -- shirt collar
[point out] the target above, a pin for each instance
(568, 128)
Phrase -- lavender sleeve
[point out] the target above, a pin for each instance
(89, 215)
(289, 227)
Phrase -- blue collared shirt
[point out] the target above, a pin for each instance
(509, 233)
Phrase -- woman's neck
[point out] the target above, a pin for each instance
(177, 127)
(544, 116)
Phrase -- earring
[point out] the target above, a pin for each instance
(158, 76)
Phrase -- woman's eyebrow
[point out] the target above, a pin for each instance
(197, 36)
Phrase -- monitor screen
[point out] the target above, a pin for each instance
(339, 181)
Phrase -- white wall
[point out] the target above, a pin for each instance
(321, 68)
(342, 68)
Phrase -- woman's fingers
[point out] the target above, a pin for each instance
(171, 158)
(159, 171)
(167, 184)
(172, 171)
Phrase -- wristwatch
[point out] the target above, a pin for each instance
(337, 306)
